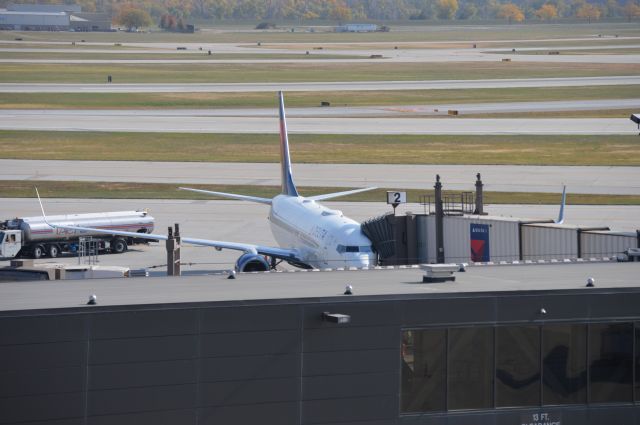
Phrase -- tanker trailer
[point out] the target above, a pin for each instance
(31, 237)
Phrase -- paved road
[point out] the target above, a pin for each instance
(351, 111)
(502, 178)
(55, 120)
(316, 86)
(367, 53)
(245, 222)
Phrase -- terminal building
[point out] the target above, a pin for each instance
(553, 344)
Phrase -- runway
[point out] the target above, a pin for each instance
(349, 111)
(499, 178)
(152, 121)
(316, 86)
(245, 222)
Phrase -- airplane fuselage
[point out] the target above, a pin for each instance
(324, 238)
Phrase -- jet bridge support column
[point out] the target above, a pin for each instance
(479, 196)
(173, 252)
(439, 222)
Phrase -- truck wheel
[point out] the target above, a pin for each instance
(118, 246)
(54, 250)
(38, 251)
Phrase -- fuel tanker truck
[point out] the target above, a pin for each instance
(31, 237)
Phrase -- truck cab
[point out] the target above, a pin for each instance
(10, 243)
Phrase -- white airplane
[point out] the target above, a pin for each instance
(310, 235)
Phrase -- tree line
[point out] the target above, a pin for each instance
(168, 13)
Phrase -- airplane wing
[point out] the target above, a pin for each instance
(338, 194)
(289, 255)
(231, 195)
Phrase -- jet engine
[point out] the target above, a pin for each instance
(252, 263)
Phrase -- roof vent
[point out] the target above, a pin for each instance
(437, 273)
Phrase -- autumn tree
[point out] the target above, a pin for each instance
(446, 9)
(511, 12)
(631, 11)
(131, 17)
(547, 12)
(589, 12)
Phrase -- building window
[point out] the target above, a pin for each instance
(637, 360)
(423, 370)
(611, 362)
(470, 377)
(564, 364)
(517, 366)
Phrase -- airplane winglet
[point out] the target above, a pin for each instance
(560, 219)
(44, 216)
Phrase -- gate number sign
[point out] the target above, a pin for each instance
(396, 197)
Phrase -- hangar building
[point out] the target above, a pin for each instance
(525, 344)
(51, 17)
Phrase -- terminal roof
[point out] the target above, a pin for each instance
(313, 285)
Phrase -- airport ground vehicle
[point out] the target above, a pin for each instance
(31, 237)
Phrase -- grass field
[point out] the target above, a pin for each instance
(621, 51)
(300, 72)
(414, 31)
(204, 55)
(326, 149)
(308, 99)
(108, 190)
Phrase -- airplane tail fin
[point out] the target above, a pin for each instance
(288, 187)
(560, 219)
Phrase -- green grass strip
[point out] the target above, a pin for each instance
(310, 99)
(300, 72)
(110, 190)
(325, 149)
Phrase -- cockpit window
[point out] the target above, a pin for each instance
(353, 248)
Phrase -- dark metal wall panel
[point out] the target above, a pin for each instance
(68, 421)
(351, 362)
(340, 338)
(250, 343)
(243, 319)
(41, 329)
(125, 375)
(382, 313)
(348, 409)
(343, 378)
(131, 400)
(135, 324)
(41, 407)
(41, 381)
(251, 391)
(345, 386)
(163, 417)
(157, 348)
(42, 356)
(220, 369)
(459, 310)
(272, 413)
(616, 305)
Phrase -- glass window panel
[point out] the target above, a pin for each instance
(564, 364)
(470, 371)
(423, 370)
(637, 360)
(611, 362)
(517, 366)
